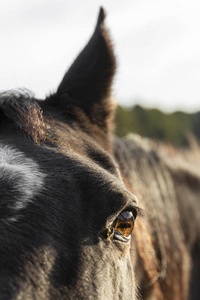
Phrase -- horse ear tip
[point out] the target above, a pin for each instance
(102, 16)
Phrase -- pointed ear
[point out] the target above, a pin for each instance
(87, 83)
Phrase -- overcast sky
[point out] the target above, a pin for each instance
(157, 44)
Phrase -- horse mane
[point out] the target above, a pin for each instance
(166, 191)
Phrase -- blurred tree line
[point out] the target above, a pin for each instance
(168, 127)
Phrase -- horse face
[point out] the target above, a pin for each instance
(61, 190)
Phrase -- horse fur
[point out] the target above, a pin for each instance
(65, 178)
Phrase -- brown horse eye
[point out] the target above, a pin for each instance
(124, 223)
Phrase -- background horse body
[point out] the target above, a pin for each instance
(68, 197)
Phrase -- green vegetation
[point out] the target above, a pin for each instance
(173, 128)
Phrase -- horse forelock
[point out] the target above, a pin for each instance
(20, 107)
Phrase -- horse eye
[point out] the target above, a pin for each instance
(123, 226)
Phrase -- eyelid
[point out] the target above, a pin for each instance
(126, 214)
(131, 207)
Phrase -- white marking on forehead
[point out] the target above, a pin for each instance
(23, 173)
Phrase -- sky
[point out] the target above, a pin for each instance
(157, 45)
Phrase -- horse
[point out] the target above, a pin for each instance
(84, 214)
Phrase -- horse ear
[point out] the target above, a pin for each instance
(87, 83)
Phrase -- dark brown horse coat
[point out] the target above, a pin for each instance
(66, 183)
